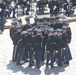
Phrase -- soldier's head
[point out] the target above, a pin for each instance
(65, 23)
(59, 31)
(20, 21)
(45, 20)
(39, 32)
(57, 18)
(29, 31)
(19, 28)
(53, 19)
(64, 28)
(14, 23)
(51, 31)
(37, 21)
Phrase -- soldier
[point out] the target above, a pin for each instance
(50, 45)
(45, 21)
(69, 33)
(20, 21)
(37, 47)
(53, 23)
(59, 24)
(65, 45)
(13, 30)
(28, 46)
(20, 45)
(58, 47)
(28, 25)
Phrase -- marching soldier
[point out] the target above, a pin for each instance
(65, 45)
(50, 45)
(28, 45)
(45, 22)
(44, 35)
(37, 47)
(53, 23)
(59, 24)
(69, 33)
(20, 45)
(20, 21)
(13, 30)
(58, 47)
(28, 25)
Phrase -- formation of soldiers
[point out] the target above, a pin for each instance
(46, 39)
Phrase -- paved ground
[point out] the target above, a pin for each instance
(7, 67)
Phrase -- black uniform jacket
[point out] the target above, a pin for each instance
(50, 44)
(37, 42)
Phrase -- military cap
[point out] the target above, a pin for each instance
(59, 30)
(24, 32)
(18, 26)
(64, 27)
(39, 30)
(66, 23)
(29, 30)
(14, 22)
(64, 20)
(51, 29)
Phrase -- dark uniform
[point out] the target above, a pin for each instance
(13, 30)
(37, 47)
(69, 33)
(58, 47)
(28, 45)
(20, 21)
(20, 45)
(50, 47)
(28, 25)
(59, 24)
(53, 24)
(65, 45)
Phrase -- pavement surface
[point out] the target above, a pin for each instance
(7, 67)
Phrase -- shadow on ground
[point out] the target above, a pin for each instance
(33, 70)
